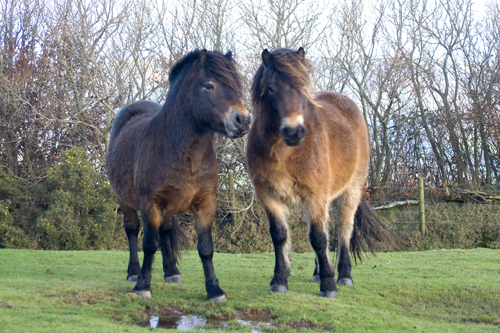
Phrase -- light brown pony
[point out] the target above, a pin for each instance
(310, 149)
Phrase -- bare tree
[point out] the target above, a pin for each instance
(288, 23)
(425, 76)
(480, 81)
(412, 17)
(447, 28)
(19, 128)
(373, 73)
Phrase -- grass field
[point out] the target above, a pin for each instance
(86, 291)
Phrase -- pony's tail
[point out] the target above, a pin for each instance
(178, 239)
(367, 228)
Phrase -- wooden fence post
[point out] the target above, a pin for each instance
(232, 198)
(232, 195)
(421, 204)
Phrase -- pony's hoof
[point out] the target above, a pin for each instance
(143, 293)
(132, 278)
(218, 299)
(345, 282)
(328, 294)
(276, 288)
(316, 278)
(173, 279)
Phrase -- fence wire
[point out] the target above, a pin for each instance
(406, 193)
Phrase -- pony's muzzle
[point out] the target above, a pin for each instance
(293, 136)
(292, 129)
(237, 124)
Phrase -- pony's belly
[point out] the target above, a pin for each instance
(125, 191)
(284, 189)
(179, 200)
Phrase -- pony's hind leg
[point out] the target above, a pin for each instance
(171, 239)
(170, 270)
(317, 215)
(151, 219)
(347, 205)
(132, 225)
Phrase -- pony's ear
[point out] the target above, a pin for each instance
(229, 55)
(266, 57)
(202, 57)
(301, 54)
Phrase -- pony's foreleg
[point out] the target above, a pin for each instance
(316, 271)
(132, 225)
(317, 215)
(168, 245)
(204, 215)
(347, 205)
(151, 219)
(277, 213)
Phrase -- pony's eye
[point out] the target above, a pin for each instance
(270, 90)
(208, 86)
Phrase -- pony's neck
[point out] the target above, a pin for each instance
(267, 122)
(180, 134)
(269, 138)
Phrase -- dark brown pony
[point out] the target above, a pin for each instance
(310, 149)
(162, 162)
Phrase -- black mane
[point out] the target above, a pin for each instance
(220, 66)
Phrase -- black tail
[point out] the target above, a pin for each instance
(367, 228)
(178, 239)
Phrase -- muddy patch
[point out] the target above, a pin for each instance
(5, 305)
(174, 318)
(308, 325)
(79, 298)
(489, 321)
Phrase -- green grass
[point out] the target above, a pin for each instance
(432, 291)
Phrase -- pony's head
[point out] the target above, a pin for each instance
(209, 85)
(281, 89)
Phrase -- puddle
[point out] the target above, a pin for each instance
(257, 326)
(173, 318)
(181, 323)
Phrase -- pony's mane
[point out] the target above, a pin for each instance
(221, 67)
(286, 64)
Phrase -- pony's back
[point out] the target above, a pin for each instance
(347, 128)
(133, 111)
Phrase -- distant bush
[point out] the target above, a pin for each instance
(11, 236)
(448, 225)
(81, 209)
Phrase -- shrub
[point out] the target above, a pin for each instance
(81, 210)
(11, 236)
